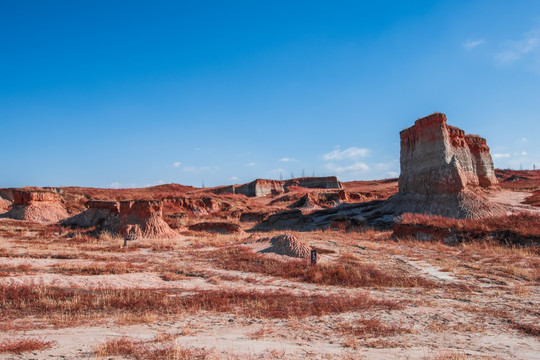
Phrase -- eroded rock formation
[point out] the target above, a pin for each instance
(443, 171)
(440, 159)
(263, 187)
(140, 218)
(40, 206)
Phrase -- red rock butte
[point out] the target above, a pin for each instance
(440, 159)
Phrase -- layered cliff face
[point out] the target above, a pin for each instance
(442, 171)
(262, 187)
(39, 206)
(140, 218)
(441, 159)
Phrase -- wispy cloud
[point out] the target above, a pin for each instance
(233, 178)
(471, 44)
(287, 159)
(500, 156)
(115, 185)
(176, 164)
(517, 49)
(356, 167)
(347, 154)
(250, 164)
(198, 169)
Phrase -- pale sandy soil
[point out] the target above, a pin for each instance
(514, 199)
(481, 293)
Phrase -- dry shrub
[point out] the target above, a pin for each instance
(14, 345)
(14, 270)
(527, 329)
(147, 351)
(344, 273)
(110, 268)
(264, 331)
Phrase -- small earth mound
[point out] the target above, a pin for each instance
(289, 245)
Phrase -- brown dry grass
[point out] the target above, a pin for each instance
(366, 328)
(98, 268)
(527, 329)
(135, 349)
(346, 272)
(523, 225)
(75, 305)
(20, 345)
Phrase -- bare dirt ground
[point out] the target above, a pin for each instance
(211, 296)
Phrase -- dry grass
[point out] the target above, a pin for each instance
(509, 229)
(75, 305)
(262, 332)
(20, 345)
(367, 328)
(527, 329)
(98, 268)
(345, 272)
(14, 270)
(135, 349)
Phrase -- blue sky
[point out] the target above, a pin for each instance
(137, 93)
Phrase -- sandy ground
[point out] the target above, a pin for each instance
(483, 294)
(443, 322)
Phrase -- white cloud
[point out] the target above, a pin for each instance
(500, 156)
(471, 44)
(523, 140)
(115, 185)
(347, 154)
(356, 167)
(195, 169)
(287, 159)
(176, 164)
(392, 174)
(515, 50)
(233, 178)
(250, 164)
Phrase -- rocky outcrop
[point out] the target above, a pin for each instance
(140, 218)
(34, 205)
(440, 159)
(263, 187)
(5, 204)
(442, 171)
(321, 199)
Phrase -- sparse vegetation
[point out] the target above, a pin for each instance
(345, 272)
(21, 345)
